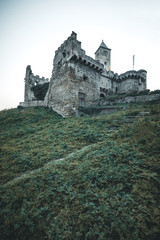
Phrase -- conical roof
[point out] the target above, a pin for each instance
(102, 45)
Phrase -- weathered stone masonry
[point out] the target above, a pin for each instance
(75, 79)
(31, 82)
(79, 81)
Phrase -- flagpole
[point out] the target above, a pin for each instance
(133, 61)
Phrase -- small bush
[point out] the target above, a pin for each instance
(155, 91)
(145, 92)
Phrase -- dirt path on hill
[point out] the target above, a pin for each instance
(29, 174)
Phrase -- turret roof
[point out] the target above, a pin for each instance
(103, 45)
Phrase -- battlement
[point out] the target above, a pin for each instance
(133, 74)
(71, 38)
(140, 74)
(67, 50)
(78, 80)
(88, 61)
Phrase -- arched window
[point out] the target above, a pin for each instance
(102, 95)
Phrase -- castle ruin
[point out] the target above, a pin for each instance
(78, 80)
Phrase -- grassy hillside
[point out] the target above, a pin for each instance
(80, 178)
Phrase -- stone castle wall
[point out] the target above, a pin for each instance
(32, 104)
(30, 81)
(75, 79)
(79, 81)
(73, 83)
(131, 81)
(129, 99)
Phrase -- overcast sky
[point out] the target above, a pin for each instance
(32, 30)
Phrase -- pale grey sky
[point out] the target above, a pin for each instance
(32, 30)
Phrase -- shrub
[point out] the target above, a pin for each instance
(155, 91)
(40, 91)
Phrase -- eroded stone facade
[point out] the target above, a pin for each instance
(32, 80)
(79, 81)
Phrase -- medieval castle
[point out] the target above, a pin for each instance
(78, 80)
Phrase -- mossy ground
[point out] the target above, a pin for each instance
(108, 190)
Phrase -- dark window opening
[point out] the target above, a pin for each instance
(81, 99)
(60, 63)
(111, 83)
(140, 81)
(102, 95)
(85, 77)
(64, 54)
(105, 53)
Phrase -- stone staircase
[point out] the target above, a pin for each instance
(127, 120)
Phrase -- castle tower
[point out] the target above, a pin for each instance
(103, 54)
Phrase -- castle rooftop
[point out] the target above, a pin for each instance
(102, 45)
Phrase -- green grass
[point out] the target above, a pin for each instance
(108, 190)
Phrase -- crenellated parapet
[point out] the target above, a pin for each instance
(128, 82)
(132, 74)
(66, 51)
(72, 45)
(88, 61)
(79, 80)
(71, 51)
